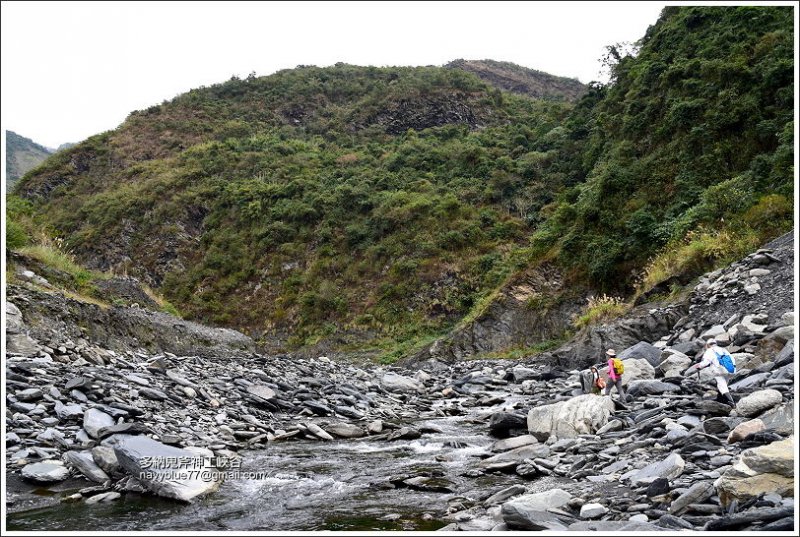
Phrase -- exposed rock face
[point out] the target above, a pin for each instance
(580, 415)
(121, 329)
(765, 469)
(518, 79)
(641, 323)
(524, 314)
(136, 454)
(427, 112)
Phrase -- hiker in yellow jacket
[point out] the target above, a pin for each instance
(614, 374)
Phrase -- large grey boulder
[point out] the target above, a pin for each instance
(761, 470)
(758, 402)
(106, 459)
(584, 414)
(50, 471)
(780, 419)
(651, 387)
(185, 483)
(529, 512)
(523, 373)
(787, 353)
(642, 350)
(398, 383)
(669, 469)
(635, 369)
(593, 510)
(513, 443)
(319, 432)
(518, 455)
(84, 463)
(673, 363)
(697, 493)
(749, 382)
(261, 391)
(94, 420)
(345, 430)
(68, 412)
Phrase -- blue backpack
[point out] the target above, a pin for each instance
(726, 361)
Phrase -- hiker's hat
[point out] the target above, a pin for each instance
(711, 341)
(611, 352)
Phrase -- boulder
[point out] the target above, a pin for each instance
(644, 351)
(137, 455)
(106, 459)
(317, 431)
(758, 402)
(68, 412)
(345, 430)
(697, 493)
(49, 471)
(593, 510)
(84, 463)
(521, 374)
(780, 419)
(513, 443)
(261, 391)
(398, 383)
(673, 364)
(30, 394)
(669, 469)
(94, 420)
(739, 334)
(517, 455)
(743, 429)
(749, 382)
(584, 414)
(529, 512)
(502, 422)
(503, 495)
(774, 458)
(103, 497)
(786, 355)
(714, 331)
(651, 387)
(761, 470)
(635, 370)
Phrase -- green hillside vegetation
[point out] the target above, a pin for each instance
(692, 139)
(374, 208)
(309, 203)
(22, 155)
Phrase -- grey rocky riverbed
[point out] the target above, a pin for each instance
(468, 445)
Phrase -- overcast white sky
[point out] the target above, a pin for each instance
(70, 70)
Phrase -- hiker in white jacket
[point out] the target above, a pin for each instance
(710, 359)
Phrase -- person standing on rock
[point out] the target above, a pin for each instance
(711, 358)
(614, 375)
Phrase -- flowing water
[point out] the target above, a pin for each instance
(309, 485)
